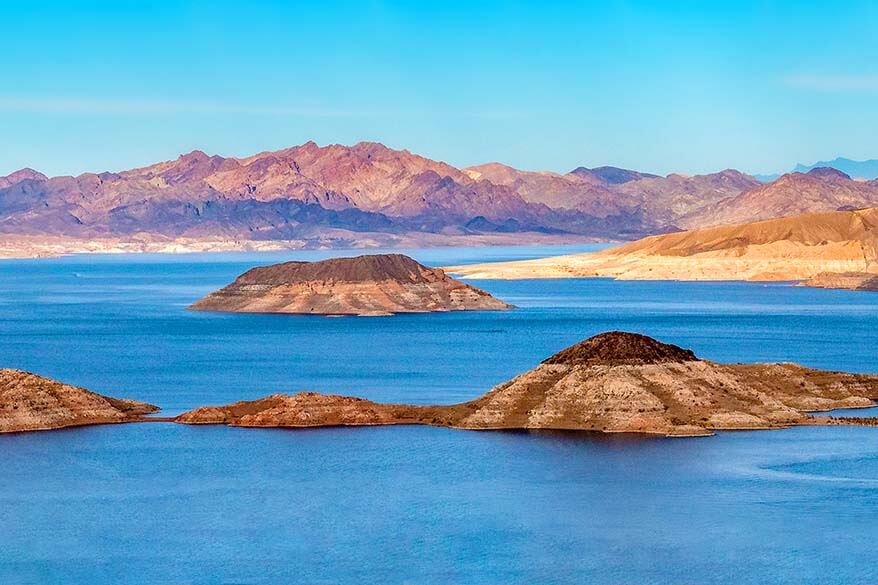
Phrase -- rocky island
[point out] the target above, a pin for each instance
(29, 402)
(796, 248)
(613, 382)
(380, 284)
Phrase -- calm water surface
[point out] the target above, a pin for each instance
(162, 503)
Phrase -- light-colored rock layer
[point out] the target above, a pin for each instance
(31, 246)
(614, 382)
(793, 248)
(845, 280)
(31, 403)
(366, 285)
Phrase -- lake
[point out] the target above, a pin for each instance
(164, 503)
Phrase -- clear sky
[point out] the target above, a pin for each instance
(656, 86)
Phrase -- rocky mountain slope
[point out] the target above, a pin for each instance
(339, 195)
(297, 193)
(612, 192)
(32, 403)
(613, 382)
(820, 189)
(790, 248)
(379, 284)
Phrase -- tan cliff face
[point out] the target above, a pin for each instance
(613, 382)
(786, 249)
(30, 403)
(379, 284)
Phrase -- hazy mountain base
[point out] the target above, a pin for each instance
(34, 246)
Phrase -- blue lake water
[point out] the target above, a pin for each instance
(164, 503)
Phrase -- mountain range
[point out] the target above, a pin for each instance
(340, 196)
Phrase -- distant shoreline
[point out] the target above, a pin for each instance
(34, 247)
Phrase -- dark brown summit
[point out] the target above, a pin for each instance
(621, 348)
(366, 268)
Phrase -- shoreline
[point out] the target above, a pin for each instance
(35, 247)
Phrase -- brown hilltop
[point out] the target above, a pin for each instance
(365, 268)
(29, 402)
(376, 284)
(619, 348)
(614, 382)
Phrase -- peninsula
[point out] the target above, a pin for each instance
(29, 402)
(613, 382)
(380, 284)
(797, 248)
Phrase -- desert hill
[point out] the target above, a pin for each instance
(378, 284)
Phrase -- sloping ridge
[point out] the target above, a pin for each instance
(810, 229)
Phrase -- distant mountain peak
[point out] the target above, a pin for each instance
(25, 174)
(612, 175)
(828, 173)
(859, 169)
(194, 155)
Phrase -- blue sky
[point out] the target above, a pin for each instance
(656, 86)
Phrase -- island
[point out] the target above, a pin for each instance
(795, 248)
(613, 382)
(379, 284)
(29, 402)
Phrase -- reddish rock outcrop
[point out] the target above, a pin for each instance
(613, 382)
(378, 284)
(29, 402)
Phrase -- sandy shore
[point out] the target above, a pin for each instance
(780, 261)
